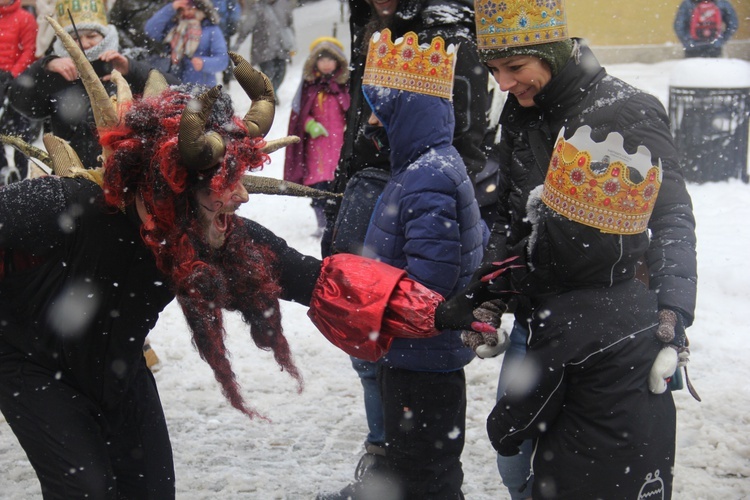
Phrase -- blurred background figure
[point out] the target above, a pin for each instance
(318, 117)
(51, 88)
(130, 17)
(229, 12)
(705, 26)
(191, 30)
(274, 40)
(18, 30)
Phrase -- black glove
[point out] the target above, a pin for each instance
(457, 313)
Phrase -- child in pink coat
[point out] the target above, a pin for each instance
(318, 118)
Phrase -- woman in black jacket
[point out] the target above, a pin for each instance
(581, 288)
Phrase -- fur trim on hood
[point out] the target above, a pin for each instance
(335, 49)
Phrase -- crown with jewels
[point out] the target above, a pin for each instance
(84, 13)
(514, 23)
(404, 65)
(600, 185)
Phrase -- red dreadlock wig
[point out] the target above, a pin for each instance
(240, 276)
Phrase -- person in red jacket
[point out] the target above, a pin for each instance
(18, 30)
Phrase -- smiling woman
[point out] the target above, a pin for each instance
(522, 76)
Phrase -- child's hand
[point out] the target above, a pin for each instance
(197, 63)
(119, 62)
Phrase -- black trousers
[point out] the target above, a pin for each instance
(79, 450)
(425, 421)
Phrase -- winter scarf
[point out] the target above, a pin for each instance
(184, 38)
(111, 41)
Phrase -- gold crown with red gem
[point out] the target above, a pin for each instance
(404, 65)
(600, 185)
(514, 23)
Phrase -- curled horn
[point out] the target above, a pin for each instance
(268, 185)
(199, 149)
(258, 87)
(105, 113)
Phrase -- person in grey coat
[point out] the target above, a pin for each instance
(274, 39)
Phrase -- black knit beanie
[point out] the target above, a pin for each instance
(556, 54)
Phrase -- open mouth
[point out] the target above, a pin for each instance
(221, 221)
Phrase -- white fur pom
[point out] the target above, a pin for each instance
(664, 366)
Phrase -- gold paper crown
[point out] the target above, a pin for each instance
(84, 12)
(503, 24)
(404, 65)
(612, 197)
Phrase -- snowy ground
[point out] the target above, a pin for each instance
(314, 440)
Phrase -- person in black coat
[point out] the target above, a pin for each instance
(578, 293)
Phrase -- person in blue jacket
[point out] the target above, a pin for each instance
(709, 42)
(191, 29)
(427, 222)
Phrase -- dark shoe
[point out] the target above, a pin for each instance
(372, 460)
(371, 479)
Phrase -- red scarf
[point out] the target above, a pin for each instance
(184, 38)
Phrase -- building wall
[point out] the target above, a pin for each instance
(641, 30)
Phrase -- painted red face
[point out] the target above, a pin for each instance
(216, 208)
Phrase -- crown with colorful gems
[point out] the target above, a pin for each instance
(84, 13)
(404, 65)
(600, 185)
(513, 23)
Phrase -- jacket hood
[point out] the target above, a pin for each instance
(340, 76)
(414, 122)
(563, 90)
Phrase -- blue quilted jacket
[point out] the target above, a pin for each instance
(427, 220)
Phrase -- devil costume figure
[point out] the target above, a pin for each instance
(88, 262)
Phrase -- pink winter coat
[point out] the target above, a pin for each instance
(17, 38)
(314, 160)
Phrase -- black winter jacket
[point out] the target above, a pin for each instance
(583, 394)
(584, 94)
